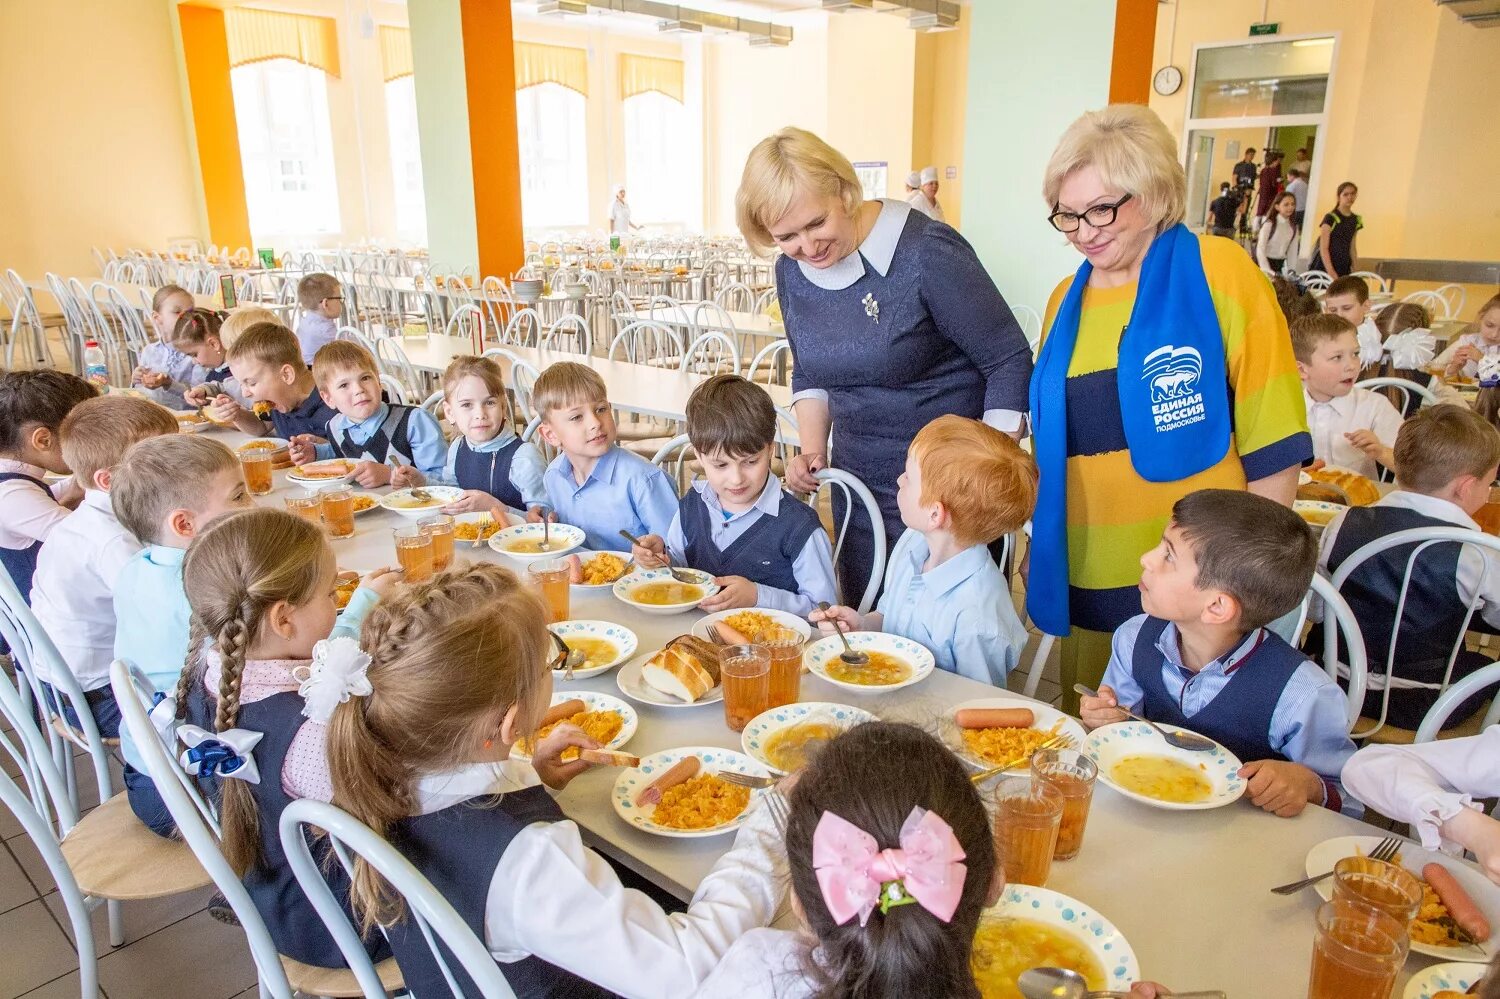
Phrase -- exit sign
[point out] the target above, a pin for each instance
(1269, 28)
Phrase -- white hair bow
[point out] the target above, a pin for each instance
(1489, 370)
(163, 715)
(1412, 349)
(223, 754)
(1370, 348)
(338, 671)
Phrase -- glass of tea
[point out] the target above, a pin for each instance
(1073, 774)
(1357, 952)
(414, 553)
(745, 671)
(1028, 816)
(338, 511)
(256, 466)
(1390, 888)
(550, 576)
(439, 527)
(309, 505)
(786, 670)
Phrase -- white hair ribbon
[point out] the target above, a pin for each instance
(223, 754)
(338, 671)
(1370, 348)
(163, 715)
(1411, 349)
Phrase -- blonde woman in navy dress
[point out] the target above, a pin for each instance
(891, 319)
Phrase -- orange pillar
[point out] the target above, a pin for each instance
(206, 51)
(1135, 41)
(490, 76)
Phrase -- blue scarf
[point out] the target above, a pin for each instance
(1172, 379)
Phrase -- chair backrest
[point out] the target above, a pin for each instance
(392, 360)
(712, 316)
(433, 405)
(712, 353)
(765, 301)
(1406, 387)
(1038, 663)
(467, 321)
(852, 489)
(776, 357)
(1432, 302)
(1455, 296)
(1031, 324)
(1375, 281)
(1420, 538)
(195, 820)
(1343, 626)
(523, 376)
(394, 389)
(524, 328)
(569, 333)
(735, 297)
(647, 342)
(1450, 699)
(431, 913)
(672, 458)
(1315, 280)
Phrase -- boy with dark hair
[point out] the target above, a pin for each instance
(1349, 298)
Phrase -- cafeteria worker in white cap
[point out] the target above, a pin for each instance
(924, 199)
(619, 214)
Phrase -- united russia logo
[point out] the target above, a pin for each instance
(1173, 373)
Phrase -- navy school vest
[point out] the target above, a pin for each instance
(458, 849)
(763, 554)
(489, 472)
(21, 562)
(1239, 718)
(390, 435)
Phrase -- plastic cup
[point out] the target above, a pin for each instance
(1073, 774)
(414, 553)
(439, 527)
(786, 671)
(308, 505)
(745, 671)
(550, 576)
(338, 511)
(1028, 815)
(256, 467)
(1388, 887)
(1357, 952)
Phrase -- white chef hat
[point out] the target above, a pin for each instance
(929, 175)
(913, 179)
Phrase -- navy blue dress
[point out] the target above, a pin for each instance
(942, 340)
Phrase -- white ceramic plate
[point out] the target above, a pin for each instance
(766, 724)
(292, 476)
(562, 538)
(1316, 507)
(280, 445)
(441, 497)
(1054, 909)
(1108, 745)
(374, 504)
(472, 518)
(623, 638)
(595, 702)
(791, 621)
(625, 586)
(1456, 976)
(1324, 855)
(584, 554)
(1046, 717)
(632, 782)
(818, 655)
(635, 687)
(187, 425)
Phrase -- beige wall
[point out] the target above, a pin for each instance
(96, 134)
(941, 90)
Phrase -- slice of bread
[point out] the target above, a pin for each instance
(609, 758)
(678, 673)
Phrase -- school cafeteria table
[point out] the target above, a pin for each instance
(748, 323)
(136, 294)
(1189, 890)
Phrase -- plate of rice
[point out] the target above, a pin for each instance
(703, 806)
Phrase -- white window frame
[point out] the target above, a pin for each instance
(681, 183)
(411, 211)
(576, 215)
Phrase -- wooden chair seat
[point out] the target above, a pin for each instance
(75, 736)
(645, 429)
(337, 983)
(114, 856)
(1391, 735)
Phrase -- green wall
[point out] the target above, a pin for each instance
(437, 54)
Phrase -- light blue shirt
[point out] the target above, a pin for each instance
(182, 369)
(315, 330)
(422, 432)
(526, 466)
(961, 610)
(813, 566)
(623, 491)
(1309, 726)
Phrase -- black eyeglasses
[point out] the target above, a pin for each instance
(1099, 216)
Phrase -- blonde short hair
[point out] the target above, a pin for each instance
(267, 343)
(983, 478)
(780, 167)
(1133, 152)
(241, 319)
(1442, 443)
(98, 432)
(162, 474)
(564, 384)
(314, 288)
(341, 355)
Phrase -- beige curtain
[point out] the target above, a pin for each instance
(639, 74)
(395, 52)
(265, 34)
(552, 64)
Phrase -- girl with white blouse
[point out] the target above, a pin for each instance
(1277, 242)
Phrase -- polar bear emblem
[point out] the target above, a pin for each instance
(1172, 372)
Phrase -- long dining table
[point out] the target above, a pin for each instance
(1188, 890)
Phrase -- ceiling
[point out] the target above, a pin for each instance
(1480, 13)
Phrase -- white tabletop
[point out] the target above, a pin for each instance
(1189, 890)
(136, 294)
(756, 324)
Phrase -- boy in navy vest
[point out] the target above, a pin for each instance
(495, 468)
(1446, 458)
(762, 545)
(391, 444)
(1229, 563)
(267, 363)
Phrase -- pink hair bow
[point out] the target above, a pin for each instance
(855, 875)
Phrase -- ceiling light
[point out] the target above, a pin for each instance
(562, 7)
(932, 22)
(678, 25)
(843, 5)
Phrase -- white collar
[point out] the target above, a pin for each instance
(1432, 506)
(437, 791)
(1340, 404)
(878, 248)
(768, 502)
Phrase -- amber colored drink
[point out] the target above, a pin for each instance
(550, 576)
(1073, 774)
(1028, 815)
(1356, 954)
(256, 466)
(1388, 887)
(308, 506)
(786, 672)
(440, 529)
(745, 671)
(414, 554)
(338, 512)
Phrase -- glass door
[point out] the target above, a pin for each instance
(1200, 180)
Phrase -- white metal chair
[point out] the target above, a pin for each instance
(672, 458)
(394, 389)
(1355, 668)
(1406, 387)
(1457, 694)
(468, 322)
(523, 375)
(776, 356)
(433, 404)
(432, 914)
(851, 488)
(1038, 663)
(765, 301)
(570, 333)
(1375, 282)
(1315, 280)
(1455, 298)
(391, 357)
(713, 353)
(647, 342)
(1031, 324)
(1434, 303)
(735, 297)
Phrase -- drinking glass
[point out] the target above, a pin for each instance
(786, 671)
(1028, 815)
(1388, 887)
(309, 505)
(1073, 774)
(550, 576)
(745, 671)
(414, 553)
(1357, 952)
(256, 466)
(439, 527)
(338, 511)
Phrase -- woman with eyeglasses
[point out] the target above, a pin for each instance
(1166, 368)
(891, 319)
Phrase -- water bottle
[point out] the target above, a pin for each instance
(95, 369)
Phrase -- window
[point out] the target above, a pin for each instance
(406, 159)
(286, 149)
(655, 166)
(1262, 78)
(554, 156)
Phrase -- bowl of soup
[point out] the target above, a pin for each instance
(604, 646)
(787, 738)
(657, 591)
(422, 501)
(1038, 928)
(528, 543)
(894, 662)
(1137, 762)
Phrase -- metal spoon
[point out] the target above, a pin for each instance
(677, 574)
(848, 656)
(1190, 741)
(1060, 983)
(567, 659)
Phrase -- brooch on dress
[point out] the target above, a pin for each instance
(872, 307)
